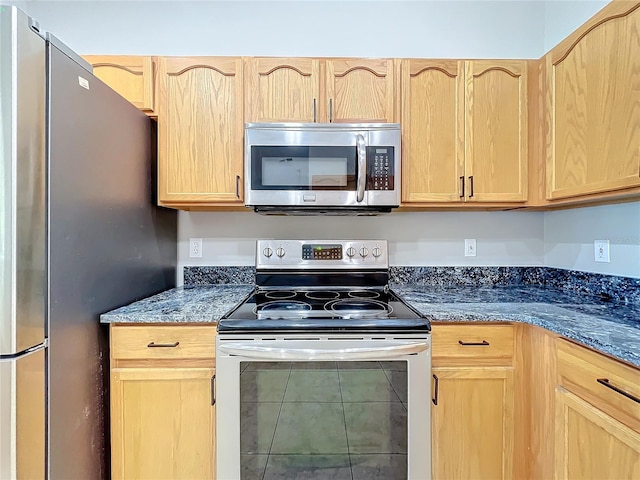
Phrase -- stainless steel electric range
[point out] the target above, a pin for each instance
(323, 371)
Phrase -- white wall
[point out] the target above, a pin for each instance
(563, 17)
(569, 236)
(457, 29)
(425, 238)
(492, 29)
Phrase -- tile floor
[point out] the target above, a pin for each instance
(323, 420)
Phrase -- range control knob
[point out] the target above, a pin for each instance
(364, 252)
(280, 252)
(377, 252)
(351, 252)
(267, 252)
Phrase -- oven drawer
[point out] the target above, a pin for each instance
(465, 343)
(607, 384)
(163, 342)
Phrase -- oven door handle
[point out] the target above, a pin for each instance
(373, 352)
(362, 166)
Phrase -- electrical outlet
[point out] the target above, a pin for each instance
(601, 251)
(195, 248)
(469, 247)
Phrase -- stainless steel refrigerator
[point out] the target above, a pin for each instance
(79, 235)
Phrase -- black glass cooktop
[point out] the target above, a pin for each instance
(325, 310)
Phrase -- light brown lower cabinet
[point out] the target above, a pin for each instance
(472, 409)
(592, 445)
(472, 423)
(162, 404)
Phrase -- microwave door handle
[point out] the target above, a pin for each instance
(362, 166)
(356, 353)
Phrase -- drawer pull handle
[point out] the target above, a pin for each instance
(605, 382)
(435, 388)
(163, 345)
(483, 343)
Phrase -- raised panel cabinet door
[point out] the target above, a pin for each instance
(472, 423)
(594, 108)
(282, 89)
(130, 76)
(432, 130)
(200, 130)
(162, 423)
(496, 130)
(592, 445)
(360, 90)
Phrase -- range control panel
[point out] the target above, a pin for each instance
(335, 254)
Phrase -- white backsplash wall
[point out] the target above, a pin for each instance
(416, 238)
(569, 236)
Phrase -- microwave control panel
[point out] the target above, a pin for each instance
(380, 167)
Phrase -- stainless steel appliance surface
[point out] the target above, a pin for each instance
(314, 168)
(322, 372)
(79, 235)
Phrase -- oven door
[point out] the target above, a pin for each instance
(323, 406)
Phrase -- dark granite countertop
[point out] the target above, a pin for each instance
(609, 327)
(198, 304)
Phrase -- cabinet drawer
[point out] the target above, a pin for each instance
(163, 342)
(607, 384)
(464, 343)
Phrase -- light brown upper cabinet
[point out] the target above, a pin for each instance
(496, 130)
(432, 130)
(282, 89)
(464, 127)
(130, 76)
(593, 106)
(200, 131)
(360, 90)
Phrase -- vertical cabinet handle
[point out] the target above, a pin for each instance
(462, 186)
(314, 111)
(471, 186)
(330, 110)
(213, 390)
(435, 390)
(237, 186)
(606, 383)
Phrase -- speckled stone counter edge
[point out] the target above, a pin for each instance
(606, 287)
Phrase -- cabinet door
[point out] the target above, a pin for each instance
(432, 130)
(360, 90)
(282, 89)
(130, 76)
(592, 445)
(594, 108)
(472, 423)
(496, 130)
(200, 130)
(162, 423)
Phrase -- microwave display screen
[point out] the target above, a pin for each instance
(298, 171)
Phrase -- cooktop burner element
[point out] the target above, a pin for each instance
(344, 292)
(322, 295)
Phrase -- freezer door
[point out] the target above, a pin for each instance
(22, 416)
(22, 183)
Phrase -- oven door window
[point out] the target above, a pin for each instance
(303, 168)
(323, 420)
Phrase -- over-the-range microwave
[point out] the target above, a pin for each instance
(315, 168)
